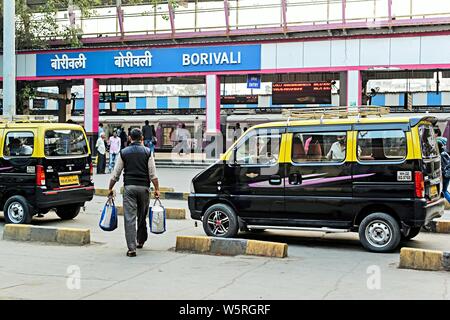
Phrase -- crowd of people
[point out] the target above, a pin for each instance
(109, 147)
(113, 144)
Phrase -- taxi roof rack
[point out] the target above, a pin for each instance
(320, 113)
(29, 119)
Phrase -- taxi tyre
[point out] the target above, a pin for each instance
(385, 226)
(221, 212)
(68, 212)
(17, 205)
(412, 233)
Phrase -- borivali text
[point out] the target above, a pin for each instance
(226, 309)
(211, 58)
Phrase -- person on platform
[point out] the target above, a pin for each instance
(101, 153)
(114, 149)
(123, 138)
(237, 132)
(149, 136)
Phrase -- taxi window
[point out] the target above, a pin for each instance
(65, 143)
(319, 147)
(19, 144)
(260, 147)
(428, 142)
(377, 145)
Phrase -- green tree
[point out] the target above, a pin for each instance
(36, 20)
(36, 24)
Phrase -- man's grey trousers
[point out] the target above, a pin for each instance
(135, 205)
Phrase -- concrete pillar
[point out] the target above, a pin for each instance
(213, 132)
(212, 104)
(91, 106)
(350, 89)
(9, 59)
(343, 89)
(65, 104)
(354, 88)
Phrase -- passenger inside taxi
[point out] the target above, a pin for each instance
(17, 148)
(337, 150)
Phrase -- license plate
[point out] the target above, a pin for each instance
(68, 180)
(433, 191)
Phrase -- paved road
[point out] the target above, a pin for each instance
(319, 266)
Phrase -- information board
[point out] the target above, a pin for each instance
(301, 93)
(112, 97)
(38, 104)
(239, 99)
(254, 81)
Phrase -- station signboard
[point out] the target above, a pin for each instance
(150, 60)
(122, 96)
(38, 104)
(113, 97)
(239, 99)
(254, 81)
(301, 93)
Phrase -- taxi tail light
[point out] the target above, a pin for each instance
(91, 171)
(40, 175)
(419, 184)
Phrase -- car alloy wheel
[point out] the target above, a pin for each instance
(218, 223)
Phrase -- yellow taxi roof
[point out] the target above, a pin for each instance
(350, 120)
(45, 125)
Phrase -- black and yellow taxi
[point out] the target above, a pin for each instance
(43, 166)
(379, 176)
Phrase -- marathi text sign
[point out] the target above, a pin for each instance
(164, 60)
(301, 93)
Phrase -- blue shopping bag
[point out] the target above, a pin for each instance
(157, 217)
(108, 220)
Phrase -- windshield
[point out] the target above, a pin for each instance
(65, 143)
(428, 142)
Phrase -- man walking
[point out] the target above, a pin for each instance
(149, 136)
(114, 149)
(183, 135)
(101, 153)
(139, 171)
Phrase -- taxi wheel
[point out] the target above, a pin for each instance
(379, 232)
(68, 212)
(412, 233)
(17, 210)
(220, 220)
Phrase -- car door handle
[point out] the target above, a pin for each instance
(295, 178)
(275, 180)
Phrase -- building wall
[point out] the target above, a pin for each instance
(410, 52)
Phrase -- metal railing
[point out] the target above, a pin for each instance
(238, 17)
